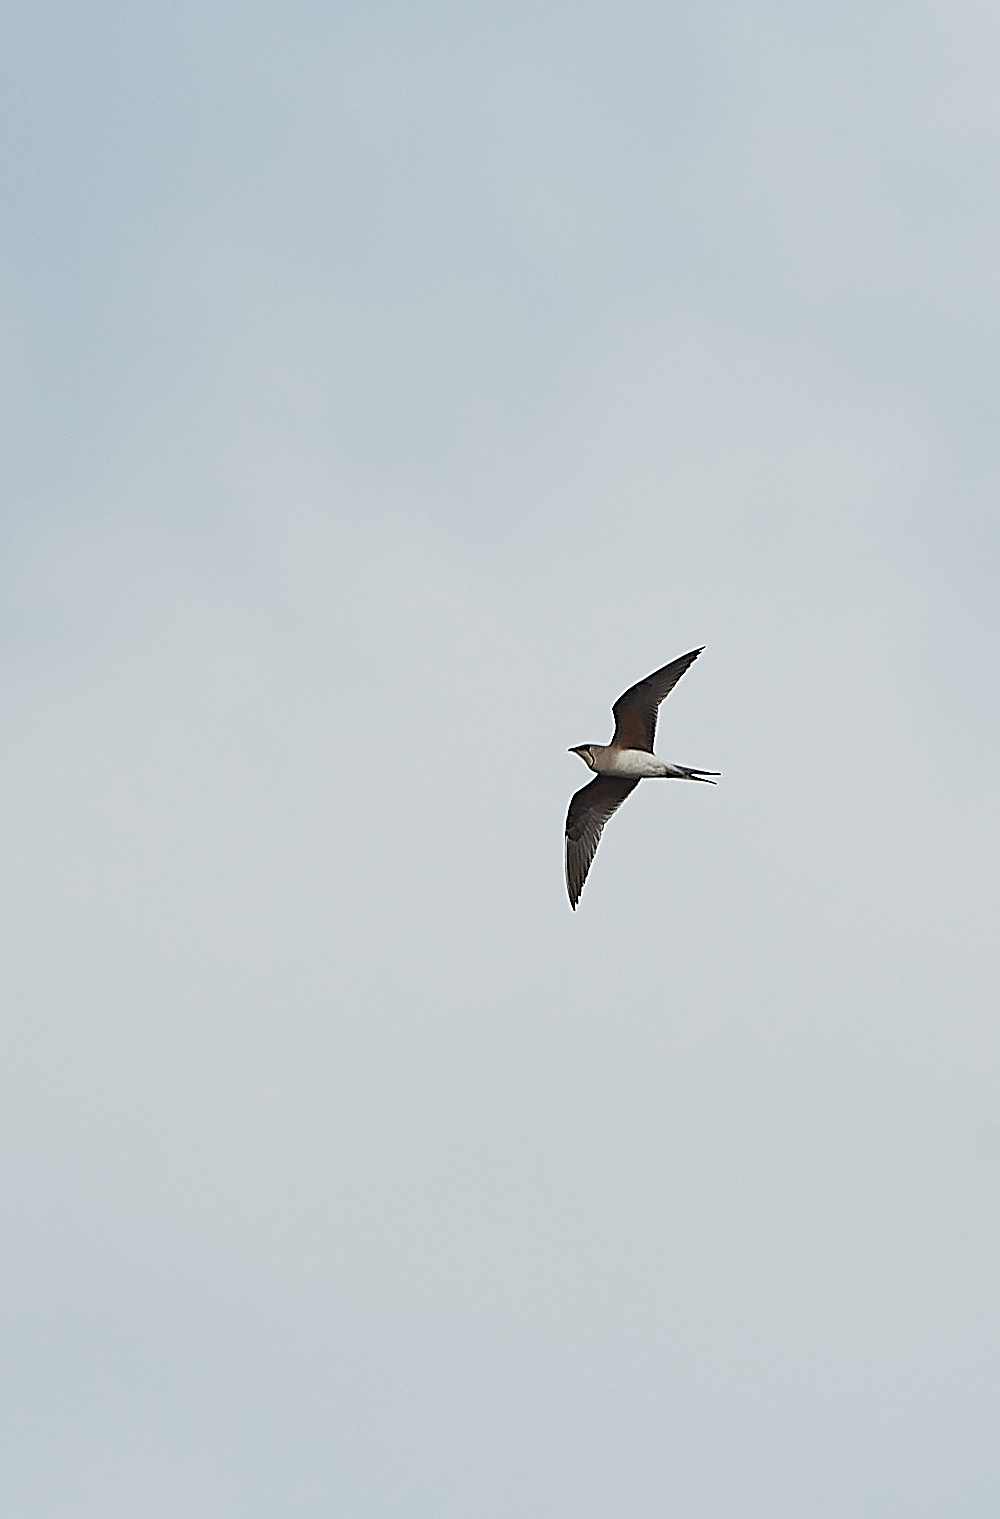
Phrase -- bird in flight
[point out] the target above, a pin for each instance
(620, 766)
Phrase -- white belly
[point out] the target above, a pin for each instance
(631, 762)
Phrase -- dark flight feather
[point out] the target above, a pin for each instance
(636, 709)
(589, 810)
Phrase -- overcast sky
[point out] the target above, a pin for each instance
(385, 388)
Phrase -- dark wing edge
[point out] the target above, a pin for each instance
(589, 810)
(635, 710)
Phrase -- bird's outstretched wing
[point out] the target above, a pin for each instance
(589, 810)
(635, 710)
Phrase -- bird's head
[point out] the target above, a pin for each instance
(586, 753)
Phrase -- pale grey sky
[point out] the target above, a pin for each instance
(384, 390)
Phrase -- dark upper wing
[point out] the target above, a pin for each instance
(588, 812)
(635, 710)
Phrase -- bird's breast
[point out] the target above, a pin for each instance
(635, 763)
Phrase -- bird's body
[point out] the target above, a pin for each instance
(620, 766)
(637, 763)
